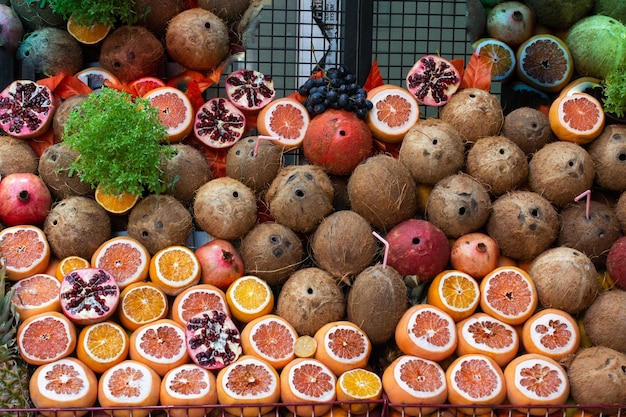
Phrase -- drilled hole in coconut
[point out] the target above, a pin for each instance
(608, 152)
(257, 171)
(528, 128)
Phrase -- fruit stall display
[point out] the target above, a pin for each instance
(437, 248)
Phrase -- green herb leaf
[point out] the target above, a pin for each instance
(88, 12)
(615, 91)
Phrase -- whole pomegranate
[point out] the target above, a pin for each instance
(25, 199)
(220, 262)
(11, 29)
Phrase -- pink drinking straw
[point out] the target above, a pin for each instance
(379, 237)
(258, 141)
(587, 203)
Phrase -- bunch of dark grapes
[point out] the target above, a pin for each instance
(335, 89)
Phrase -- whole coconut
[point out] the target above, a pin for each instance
(376, 301)
(498, 163)
(382, 190)
(228, 10)
(528, 128)
(50, 51)
(612, 8)
(343, 244)
(605, 320)
(198, 39)
(523, 223)
(432, 150)
(159, 221)
(56, 171)
(76, 225)
(62, 112)
(300, 197)
(620, 212)
(565, 278)
(559, 14)
(16, 155)
(474, 113)
(187, 171)
(458, 204)
(36, 15)
(225, 208)
(271, 251)
(309, 299)
(608, 152)
(254, 166)
(596, 376)
(560, 171)
(156, 14)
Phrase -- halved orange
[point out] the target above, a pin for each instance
(394, 112)
(270, 337)
(500, 55)
(249, 297)
(358, 390)
(125, 258)
(481, 333)
(118, 204)
(45, 338)
(508, 293)
(36, 294)
(455, 292)
(26, 251)
(551, 332)
(197, 299)
(102, 345)
(69, 264)
(580, 85)
(87, 34)
(342, 345)
(286, 119)
(142, 86)
(97, 77)
(174, 269)
(160, 345)
(191, 385)
(175, 111)
(307, 387)
(545, 62)
(577, 118)
(141, 303)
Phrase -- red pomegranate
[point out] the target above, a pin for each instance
(220, 262)
(25, 199)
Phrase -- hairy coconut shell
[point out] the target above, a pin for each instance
(458, 205)
(474, 113)
(16, 155)
(228, 10)
(62, 113)
(186, 171)
(271, 251)
(76, 225)
(605, 320)
(608, 152)
(343, 244)
(560, 171)
(565, 278)
(159, 221)
(376, 301)
(156, 14)
(620, 212)
(254, 165)
(498, 163)
(523, 223)
(50, 51)
(35, 16)
(528, 128)
(382, 190)
(55, 170)
(300, 197)
(309, 299)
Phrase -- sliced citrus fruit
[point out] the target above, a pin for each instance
(508, 293)
(36, 294)
(118, 204)
(454, 292)
(102, 345)
(96, 78)
(307, 387)
(87, 34)
(197, 299)
(577, 118)
(270, 337)
(286, 119)
(426, 331)
(125, 258)
(141, 303)
(174, 269)
(545, 62)
(248, 381)
(481, 333)
(500, 55)
(342, 345)
(64, 383)
(358, 390)
(581, 85)
(551, 332)
(142, 86)
(46, 337)
(305, 346)
(25, 250)
(532, 380)
(175, 111)
(190, 385)
(69, 264)
(160, 345)
(476, 380)
(413, 380)
(249, 297)
(394, 112)
(129, 384)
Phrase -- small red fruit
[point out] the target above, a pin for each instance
(220, 262)
(25, 199)
(475, 253)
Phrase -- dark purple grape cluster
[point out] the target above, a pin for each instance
(335, 89)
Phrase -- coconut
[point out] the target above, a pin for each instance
(271, 251)
(56, 171)
(620, 212)
(62, 113)
(132, 52)
(565, 278)
(523, 223)
(498, 163)
(256, 165)
(382, 190)
(76, 225)
(50, 51)
(596, 376)
(343, 244)
(36, 15)
(155, 14)
(458, 204)
(559, 14)
(597, 44)
(341, 200)
(300, 197)
(560, 171)
(198, 39)
(159, 221)
(432, 150)
(186, 171)
(376, 301)
(605, 320)
(593, 235)
(228, 10)
(225, 208)
(16, 155)
(608, 152)
(310, 298)
(528, 128)
(474, 113)
(612, 8)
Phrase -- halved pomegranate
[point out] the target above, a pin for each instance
(219, 123)
(89, 295)
(249, 90)
(433, 80)
(213, 340)
(26, 109)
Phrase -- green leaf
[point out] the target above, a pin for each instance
(615, 91)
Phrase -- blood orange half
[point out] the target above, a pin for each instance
(25, 250)
(175, 111)
(551, 332)
(394, 112)
(307, 387)
(196, 299)
(160, 345)
(45, 338)
(188, 385)
(481, 333)
(286, 119)
(125, 258)
(270, 337)
(36, 294)
(342, 345)
(508, 293)
(577, 118)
